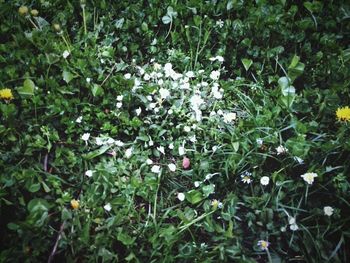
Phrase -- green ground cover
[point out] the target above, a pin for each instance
(176, 131)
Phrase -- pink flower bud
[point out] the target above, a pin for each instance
(186, 163)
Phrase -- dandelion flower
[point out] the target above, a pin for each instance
(343, 114)
(264, 180)
(328, 210)
(74, 204)
(6, 94)
(263, 245)
(309, 177)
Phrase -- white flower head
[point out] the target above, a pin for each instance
(155, 169)
(309, 177)
(181, 196)
(328, 210)
(149, 161)
(171, 146)
(138, 111)
(120, 98)
(291, 220)
(164, 93)
(298, 159)
(190, 74)
(220, 23)
(246, 177)
(172, 167)
(89, 173)
(79, 119)
(88, 80)
(108, 207)
(281, 150)
(197, 184)
(182, 150)
(259, 141)
(187, 129)
(65, 54)
(85, 137)
(119, 105)
(230, 117)
(264, 180)
(196, 101)
(127, 76)
(294, 227)
(215, 75)
(119, 143)
(128, 152)
(263, 245)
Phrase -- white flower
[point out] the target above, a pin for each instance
(259, 141)
(128, 152)
(328, 210)
(85, 136)
(171, 146)
(263, 245)
(65, 54)
(291, 220)
(119, 143)
(182, 150)
(230, 117)
(138, 111)
(264, 180)
(99, 141)
(146, 77)
(150, 143)
(193, 138)
(164, 93)
(127, 76)
(152, 105)
(149, 161)
(196, 184)
(89, 173)
(155, 169)
(170, 111)
(190, 74)
(119, 105)
(281, 150)
(181, 196)
(88, 80)
(120, 98)
(215, 74)
(79, 119)
(160, 82)
(294, 227)
(298, 159)
(157, 66)
(220, 58)
(149, 98)
(108, 207)
(172, 167)
(214, 148)
(196, 101)
(161, 149)
(110, 140)
(220, 23)
(309, 177)
(220, 112)
(246, 178)
(187, 129)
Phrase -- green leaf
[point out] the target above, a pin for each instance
(96, 153)
(34, 188)
(208, 189)
(247, 63)
(296, 68)
(125, 239)
(194, 196)
(97, 90)
(67, 76)
(27, 89)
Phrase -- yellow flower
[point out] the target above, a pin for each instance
(6, 94)
(23, 10)
(343, 114)
(75, 204)
(34, 12)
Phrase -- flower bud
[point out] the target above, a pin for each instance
(57, 27)
(23, 10)
(186, 163)
(74, 203)
(34, 12)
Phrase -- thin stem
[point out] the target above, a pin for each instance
(84, 19)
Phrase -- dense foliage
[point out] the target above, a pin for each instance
(174, 131)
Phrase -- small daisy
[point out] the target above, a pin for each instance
(309, 177)
(328, 210)
(155, 169)
(85, 137)
(79, 119)
(281, 150)
(263, 245)
(246, 177)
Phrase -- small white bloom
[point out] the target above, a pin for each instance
(263, 245)
(172, 167)
(187, 129)
(79, 119)
(149, 161)
(182, 150)
(196, 101)
(108, 207)
(152, 105)
(99, 141)
(128, 152)
(214, 148)
(156, 110)
(246, 178)
(127, 76)
(264, 180)
(146, 77)
(88, 80)
(299, 160)
(181, 196)
(196, 184)
(119, 105)
(328, 210)
(161, 149)
(259, 141)
(193, 138)
(190, 74)
(209, 176)
(294, 227)
(138, 111)
(291, 220)
(119, 143)
(230, 117)
(171, 146)
(149, 98)
(220, 23)
(309, 177)
(89, 173)
(215, 75)
(164, 93)
(110, 140)
(85, 136)
(150, 143)
(120, 98)
(155, 169)
(170, 111)
(65, 54)
(220, 112)
(281, 150)
(220, 58)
